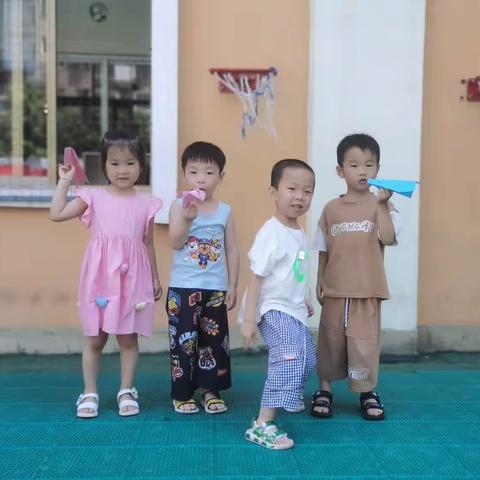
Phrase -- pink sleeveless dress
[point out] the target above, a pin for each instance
(116, 292)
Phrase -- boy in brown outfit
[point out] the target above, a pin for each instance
(352, 232)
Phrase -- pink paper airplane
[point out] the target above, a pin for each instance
(195, 194)
(70, 158)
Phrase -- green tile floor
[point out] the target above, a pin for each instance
(432, 429)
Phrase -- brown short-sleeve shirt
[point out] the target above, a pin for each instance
(355, 254)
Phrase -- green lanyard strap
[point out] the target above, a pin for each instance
(300, 266)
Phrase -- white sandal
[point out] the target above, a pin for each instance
(82, 405)
(128, 403)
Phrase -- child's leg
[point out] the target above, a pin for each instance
(212, 372)
(183, 316)
(264, 431)
(266, 414)
(288, 365)
(310, 356)
(90, 364)
(363, 335)
(128, 345)
(331, 350)
(91, 360)
(285, 338)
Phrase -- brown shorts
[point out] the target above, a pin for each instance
(349, 341)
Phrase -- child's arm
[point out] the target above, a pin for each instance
(249, 325)
(180, 222)
(60, 209)
(310, 309)
(386, 229)
(231, 251)
(148, 240)
(321, 245)
(322, 262)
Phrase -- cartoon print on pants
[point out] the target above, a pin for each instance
(205, 358)
(196, 316)
(216, 300)
(209, 326)
(173, 306)
(177, 371)
(188, 342)
(172, 331)
(194, 298)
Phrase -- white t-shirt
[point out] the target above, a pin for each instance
(272, 257)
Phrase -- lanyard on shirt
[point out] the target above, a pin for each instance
(300, 266)
(300, 263)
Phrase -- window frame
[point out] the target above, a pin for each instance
(164, 113)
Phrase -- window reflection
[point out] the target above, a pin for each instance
(23, 114)
(99, 82)
(103, 77)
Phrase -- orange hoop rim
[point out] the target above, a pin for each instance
(246, 71)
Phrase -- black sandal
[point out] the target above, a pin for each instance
(318, 402)
(365, 405)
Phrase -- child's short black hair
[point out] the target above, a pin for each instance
(122, 139)
(360, 140)
(280, 166)
(204, 152)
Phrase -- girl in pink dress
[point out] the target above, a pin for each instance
(119, 279)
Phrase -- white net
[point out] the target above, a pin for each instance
(251, 88)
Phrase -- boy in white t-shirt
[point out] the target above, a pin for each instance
(276, 299)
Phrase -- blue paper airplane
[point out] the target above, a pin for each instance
(403, 187)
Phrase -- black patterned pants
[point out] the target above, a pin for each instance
(199, 341)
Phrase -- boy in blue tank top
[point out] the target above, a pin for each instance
(203, 285)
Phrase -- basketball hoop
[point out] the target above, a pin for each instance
(250, 85)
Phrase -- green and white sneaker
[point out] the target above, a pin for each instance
(268, 435)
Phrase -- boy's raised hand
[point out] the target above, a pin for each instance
(190, 211)
(383, 195)
(249, 332)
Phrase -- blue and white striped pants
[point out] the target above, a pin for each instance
(291, 360)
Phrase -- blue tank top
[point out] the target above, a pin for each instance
(201, 263)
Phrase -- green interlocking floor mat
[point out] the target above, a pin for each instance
(432, 428)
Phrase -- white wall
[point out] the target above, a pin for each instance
(366, 72)
(164, 106)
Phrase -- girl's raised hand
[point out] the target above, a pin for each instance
(66, 171)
